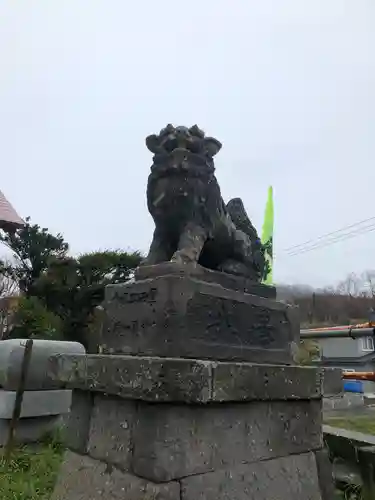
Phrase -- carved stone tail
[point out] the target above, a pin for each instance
(237, 212)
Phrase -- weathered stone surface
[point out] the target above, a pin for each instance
(344, 444)
(176, 316)
(29, 430)
(11, 355)
(36, 403)
(77, 424)
(82, 478)
(243, 382)
(325, 474)
(149, 379)
(344, 401)
(332, 381)
(366, 461)
(289, 478)
(171, 442)
(230, 281)
(184, 380)
(111, 431)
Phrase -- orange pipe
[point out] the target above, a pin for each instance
(369, 324)
(359, 376)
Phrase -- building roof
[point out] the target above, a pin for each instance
(8, 215)
(357, 360)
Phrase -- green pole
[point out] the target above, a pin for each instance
(267, 238)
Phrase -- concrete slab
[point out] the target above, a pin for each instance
(11, 355)
(36, 403)
(29, 430)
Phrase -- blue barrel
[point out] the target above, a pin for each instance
(353, 386)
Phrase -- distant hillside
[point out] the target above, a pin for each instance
(289, 292)
(350, 301)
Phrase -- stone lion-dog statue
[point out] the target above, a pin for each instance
(192, 222)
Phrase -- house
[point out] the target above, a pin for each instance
(9, 218)
(349, 354)
(10, 221)
(354, 349)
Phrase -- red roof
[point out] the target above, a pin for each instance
(8, 215)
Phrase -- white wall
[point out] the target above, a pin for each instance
(336, 347)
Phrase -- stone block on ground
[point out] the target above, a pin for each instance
(344, 443)
(111, 427)
(11, 355)
(29, 430)
(82, 478)
(288, 478)
(343, 401)
(36, 403)
(325, 474)
(332, 382)
(172, 442)
(77, 421)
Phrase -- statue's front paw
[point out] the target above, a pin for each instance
(183, 258)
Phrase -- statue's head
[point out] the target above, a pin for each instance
(192, 139)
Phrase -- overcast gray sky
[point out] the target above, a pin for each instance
(288, 86)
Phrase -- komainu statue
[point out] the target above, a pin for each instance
(192, 222)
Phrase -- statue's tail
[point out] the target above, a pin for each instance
(237, 212)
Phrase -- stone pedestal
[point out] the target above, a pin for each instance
(187, 311)
(175, 408)
(178, 429)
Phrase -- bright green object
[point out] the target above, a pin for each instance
(267, 238)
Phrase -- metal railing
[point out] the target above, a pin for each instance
(345, 332)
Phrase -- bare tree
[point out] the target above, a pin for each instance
(351, 286)
(349, 302)
(368, 280)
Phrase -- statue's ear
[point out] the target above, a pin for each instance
(153, 143)
(212, 146)
(167, 130)
(196, 131)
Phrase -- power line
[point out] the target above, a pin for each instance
(323, 236)
(337, 239)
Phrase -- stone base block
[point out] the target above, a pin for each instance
(29, 430)
(36, 403)
(183, 316)
(229, 281)
(168, 442)
(185, 380)
(288, 478)
(159, 428)
(82, 478)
